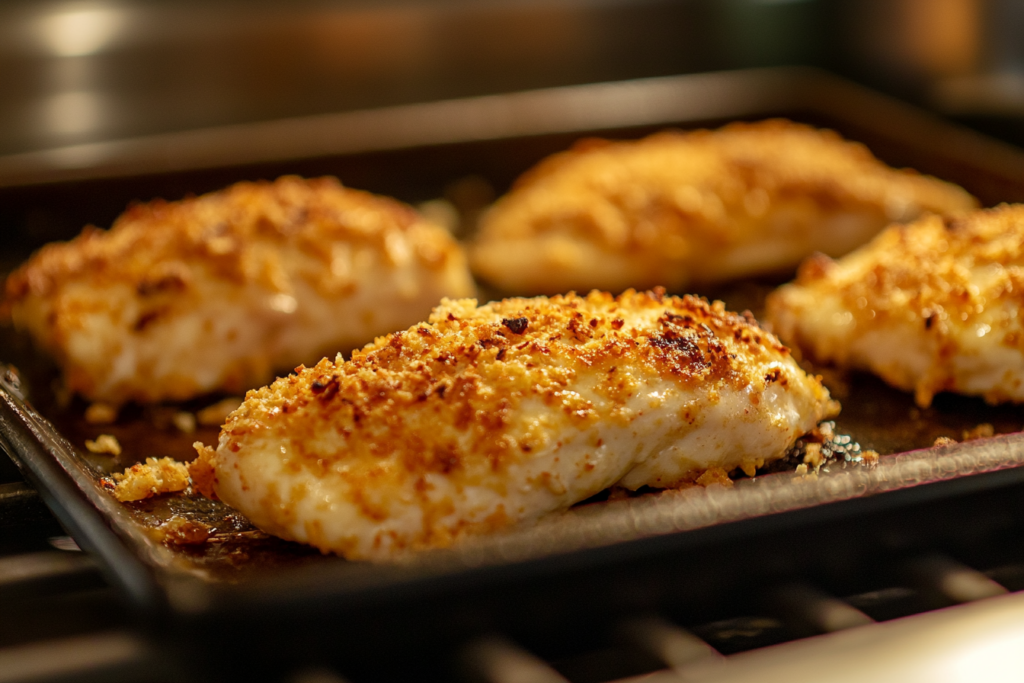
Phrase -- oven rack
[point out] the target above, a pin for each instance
(897, 573)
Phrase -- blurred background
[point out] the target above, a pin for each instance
(73, 72)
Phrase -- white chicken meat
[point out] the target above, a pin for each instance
(932, 306)
(216, 293)
(491, 415)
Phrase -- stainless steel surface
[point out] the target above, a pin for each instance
(590, 107)
(983, 641)
(82, 72)
(572, 108)
(75, 72)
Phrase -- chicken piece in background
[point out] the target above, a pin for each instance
(931, 306)
(217, 292)
(491, 415)
(702, 207)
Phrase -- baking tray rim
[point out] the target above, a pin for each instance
(91, 516)
(69, 489)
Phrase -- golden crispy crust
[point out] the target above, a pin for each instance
(952, 287)
(202, 470)
(924, 268)
(475, 365)
(148, 242)
(449, 398)
(151, 478)
(670, 208)
(218, 291)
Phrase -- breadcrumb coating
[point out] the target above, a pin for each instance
(489, 415)
(695, 207)
(929, 307)
(104, 443)
(216, 292)
(144, 480)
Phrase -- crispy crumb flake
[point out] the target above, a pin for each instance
(813, 456)
(100, 414)
(982, 431)
(185, 422)
(714, 475)
(202, 471)
(143, 480)
(104, 443)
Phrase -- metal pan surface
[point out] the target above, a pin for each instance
(414, 153)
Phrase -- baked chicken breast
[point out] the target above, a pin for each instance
(218, 291)
(489, 415)
(932, 306)
(700, 207)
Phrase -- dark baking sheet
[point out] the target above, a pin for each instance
(422, 152)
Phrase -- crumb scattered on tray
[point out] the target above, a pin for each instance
(944, 441)
(714, 475)
(202, 470)
(104, 443)
(181, 531)
(750, 467)
(813, 456)
(823, 446)
(982, 431)
(217, 414)
(185, 422)
(100, 414)
(142, 480)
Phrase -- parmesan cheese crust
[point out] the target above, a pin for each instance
(216, 292)
(485, 416)
(931, 306)
(700, 207)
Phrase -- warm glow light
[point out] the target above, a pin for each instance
(72, 113)
(943, 35)
(998, 658)
(79, 32)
